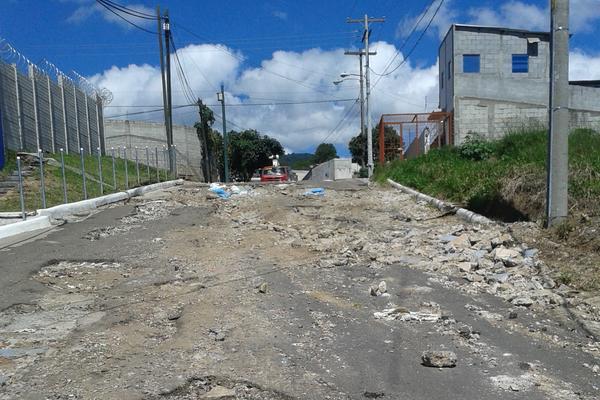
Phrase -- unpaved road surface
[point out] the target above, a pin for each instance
(278, 295)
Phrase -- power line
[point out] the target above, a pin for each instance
(130, 11)
(101, 2)
(413, 47)
(405, 42)
(240, 58)
(285, 103)
(346, 115)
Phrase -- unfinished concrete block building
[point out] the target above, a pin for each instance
(496, 80)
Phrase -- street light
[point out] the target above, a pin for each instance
(347, 77)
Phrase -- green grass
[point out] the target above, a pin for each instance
(512, 173)
(74, 181)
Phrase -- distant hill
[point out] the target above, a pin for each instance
(297, 160)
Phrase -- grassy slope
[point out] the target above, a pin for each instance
(514, 173)
(53, 181)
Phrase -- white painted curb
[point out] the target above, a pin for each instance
(31, 224)
(63, 210)
(46, 215)
(462, 213)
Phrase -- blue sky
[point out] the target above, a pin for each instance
(303, 41)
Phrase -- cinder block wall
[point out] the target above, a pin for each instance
(132, 134)
(496, 101)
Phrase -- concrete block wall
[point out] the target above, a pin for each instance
(140, 134)
(493, 119)
(496, 101)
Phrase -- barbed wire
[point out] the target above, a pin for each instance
(10, 55)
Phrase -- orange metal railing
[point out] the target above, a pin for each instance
(404, 136)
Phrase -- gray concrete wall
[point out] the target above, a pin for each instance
(496, 101)
(336, 169)
(446, 83)
(140, 134)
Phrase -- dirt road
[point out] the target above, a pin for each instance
(278, 295)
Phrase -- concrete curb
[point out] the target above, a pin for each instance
(31, 224)
(63, 210)
(462, 213)
(46, 215)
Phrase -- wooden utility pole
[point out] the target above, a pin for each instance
(366, 35)
(558, 134)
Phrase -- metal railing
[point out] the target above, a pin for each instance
(48, 181)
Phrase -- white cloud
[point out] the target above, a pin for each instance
(282, 15)
(88, 8)
(583, 66)
(517, 14)
(512, 14)
(310, 75)
(444, 18)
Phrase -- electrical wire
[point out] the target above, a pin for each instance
(240, 58)
(129, 11)
(109, 8)
(284, 103)
(413, 47)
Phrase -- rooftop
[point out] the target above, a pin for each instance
(502, 30)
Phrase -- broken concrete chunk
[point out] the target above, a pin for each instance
(263, 287)
(522, 301)
(220, 393)
(378, 290)
(509, 257)
(461, 242)
(439, 359)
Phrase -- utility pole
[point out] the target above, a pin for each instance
(162, 71)
(221, 98)
(204, 141)
(169, 121)
(366, 35)
(360, 55)
(558, 134)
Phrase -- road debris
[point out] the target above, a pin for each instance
(439, 359)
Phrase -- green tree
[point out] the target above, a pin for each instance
(324, 152)
(208, 142)
(248, 151)
(358, 144)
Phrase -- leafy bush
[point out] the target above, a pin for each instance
(475, 148)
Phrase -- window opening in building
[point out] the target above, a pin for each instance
(532, 49)
(471, 63)
(520, 63)
(442, 81)
(449, 70)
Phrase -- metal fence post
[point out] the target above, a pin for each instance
(83, 173)
(21, 195)
(175, 160)
(164, 151)
(100, 171)
(64, 177)
(126, 172)
(157, 169)
(148, 164)
(112, 153)
(42, 183)
(137, 166)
